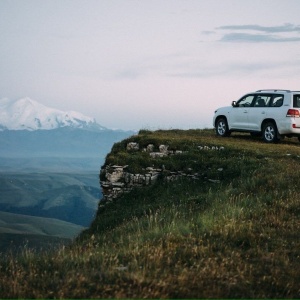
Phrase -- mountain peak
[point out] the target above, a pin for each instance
(28, 114)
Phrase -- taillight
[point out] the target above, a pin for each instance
(294, 113)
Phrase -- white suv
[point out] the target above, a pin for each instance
(273, 114)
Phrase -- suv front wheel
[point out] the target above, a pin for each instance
(222, 127)
(270, 133)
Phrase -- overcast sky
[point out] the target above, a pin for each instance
(147, 64)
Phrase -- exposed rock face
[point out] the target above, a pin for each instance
(116, 180)
(133, 146)
(119, 181)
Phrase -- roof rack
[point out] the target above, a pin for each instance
(273, 90)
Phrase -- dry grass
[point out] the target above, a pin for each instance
(186, 239)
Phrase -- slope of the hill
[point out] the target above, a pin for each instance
(17, 231)
(221, 220)
(68, 197)
(22, 224)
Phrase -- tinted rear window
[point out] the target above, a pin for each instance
(296, 100)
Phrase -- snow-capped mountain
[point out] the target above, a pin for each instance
(27, 114)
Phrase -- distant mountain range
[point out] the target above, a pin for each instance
(30, 129)
(27, 114)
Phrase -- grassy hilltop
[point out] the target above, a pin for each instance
(231, 231)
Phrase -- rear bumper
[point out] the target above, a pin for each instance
(291, 128)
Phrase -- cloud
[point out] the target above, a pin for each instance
(257, 38)
(271, 29)
(259, 34)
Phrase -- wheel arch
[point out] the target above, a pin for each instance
(220, 117)
(267, 121)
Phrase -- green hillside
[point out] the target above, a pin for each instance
(20, 224)
(17, 231)
(71, 197)
(226, 227)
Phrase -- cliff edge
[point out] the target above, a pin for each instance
(185, 214)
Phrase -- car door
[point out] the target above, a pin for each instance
(258, 111)
(239, 113)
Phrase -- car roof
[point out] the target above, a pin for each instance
(276, 90)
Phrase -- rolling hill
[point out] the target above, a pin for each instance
(19, 231)
(68, 197)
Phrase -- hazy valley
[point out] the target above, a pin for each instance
(37, 202)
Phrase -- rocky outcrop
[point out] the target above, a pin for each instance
(116, 179)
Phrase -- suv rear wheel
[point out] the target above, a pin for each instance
(222, 127)
(270, 133)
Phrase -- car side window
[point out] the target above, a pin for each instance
(262, 101)
(245, 101)
(296, 101)
(277, 101)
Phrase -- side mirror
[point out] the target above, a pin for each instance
(233, 103)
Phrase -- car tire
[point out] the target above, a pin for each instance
(222, 127)
(270, 133)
